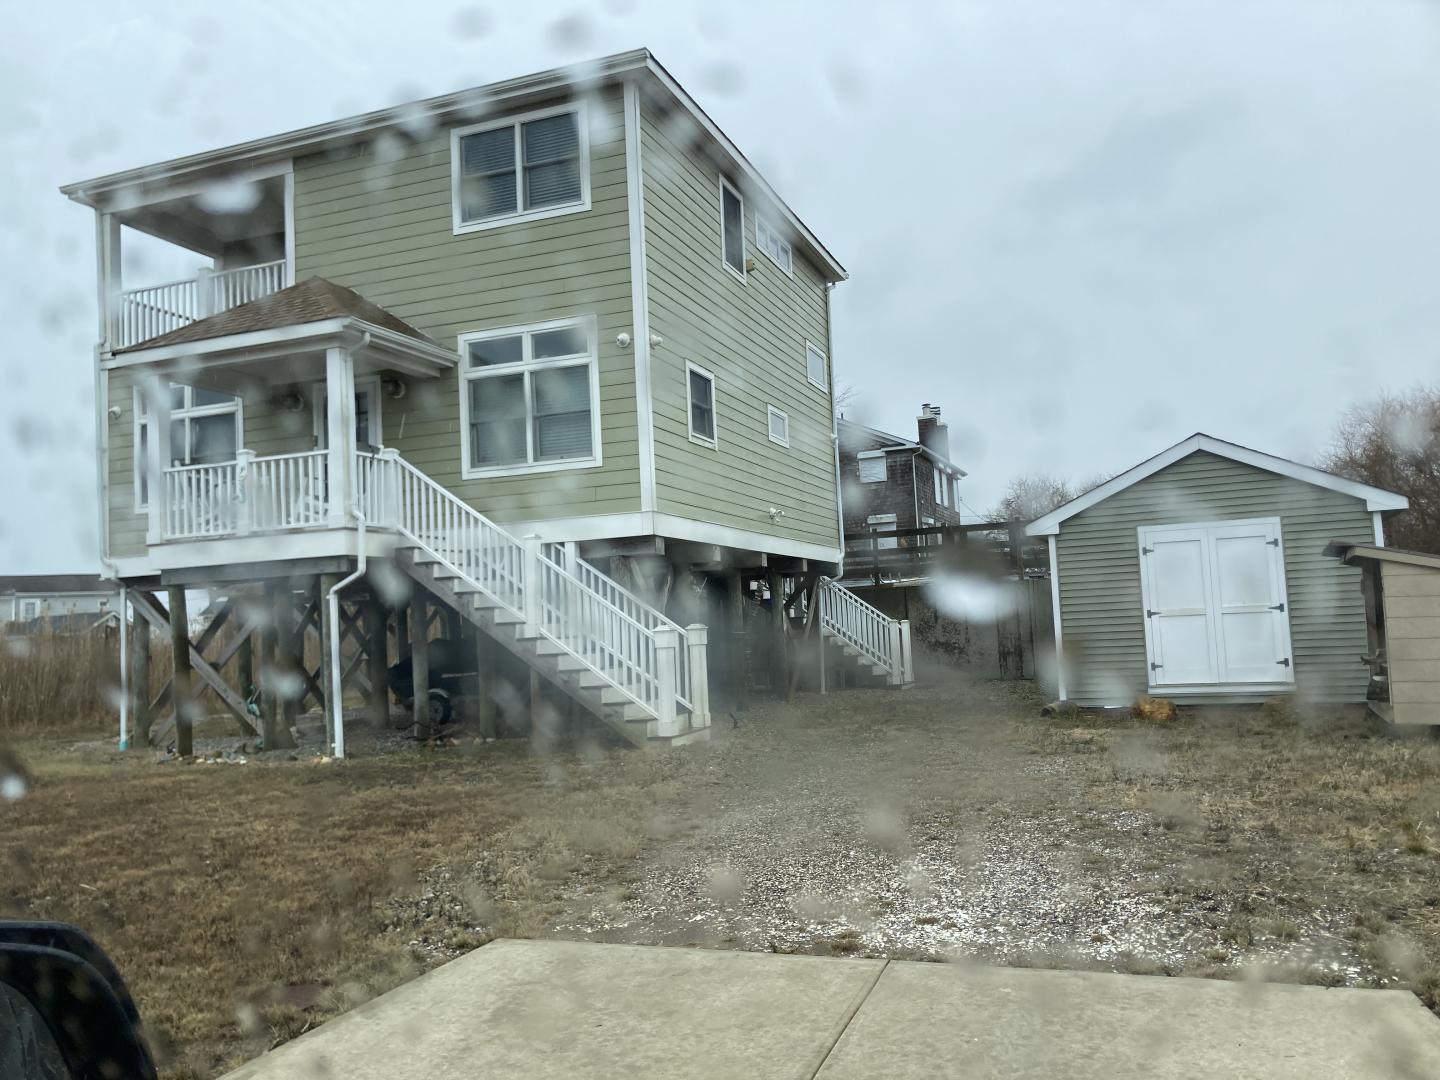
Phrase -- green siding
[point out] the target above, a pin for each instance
(752, 336)
(381, 225)
(1099, 565)
(127, 528)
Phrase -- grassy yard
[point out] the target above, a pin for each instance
(246, 903)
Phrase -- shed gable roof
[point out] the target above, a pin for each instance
(1374, 498)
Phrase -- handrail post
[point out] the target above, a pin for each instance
(907, 655)
(897, 658)
(699, 637)
(533, 583)
(667, 653)
(244, 502)
(204, 293)
(389, 502)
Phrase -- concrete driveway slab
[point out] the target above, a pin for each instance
(964, 1020)
(570, 1009)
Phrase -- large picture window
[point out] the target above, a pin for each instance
(204, 430)
(529, 398)
(520, 168)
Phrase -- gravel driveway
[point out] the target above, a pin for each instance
(899, 823)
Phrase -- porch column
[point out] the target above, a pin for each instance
(107, 254)
(155, 392)
(340, 436)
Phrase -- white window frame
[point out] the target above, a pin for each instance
(823, 384)
(29, 609)
(869, 455)
(765, 231)
(771, 412)
(942, 486)
(526, 366)
(724, 186)
(458, 225)
(186, 412)
(322, 422)
(714, 440)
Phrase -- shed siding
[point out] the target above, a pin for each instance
(381, 225)
(752, 336)
(1412, 639)
(1099, 566)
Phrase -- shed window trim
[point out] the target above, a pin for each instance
(778, 432)
(521, 169)
(530, 371)
(775, 247)
(817, 366)
(871, 467)
(697, 435)
(184, 414)
(732, 260)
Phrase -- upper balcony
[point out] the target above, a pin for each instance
(148, 312)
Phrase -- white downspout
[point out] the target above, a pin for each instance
(835, 432)
(124, 669)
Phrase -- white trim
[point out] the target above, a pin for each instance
(258, 548)
(770, 413)
(526, 366)
(1379, 528)
(1059, 632)
(639, 295)
(609, 526)
(1375, 498)
(517, 121)
(834, 441)
(724, 186)
(810, 346)
(780, 241)
(713, 441)
(290, 224)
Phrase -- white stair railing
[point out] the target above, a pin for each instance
(633, 647)
(882, 640)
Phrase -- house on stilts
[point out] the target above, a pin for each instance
(546, 361)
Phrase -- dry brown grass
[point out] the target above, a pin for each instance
(247, 903)
(57, 682)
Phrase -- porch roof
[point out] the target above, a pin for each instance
(313, 300)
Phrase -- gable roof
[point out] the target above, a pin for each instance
(313, 300)
(103, 192)
(1375, 498)
(895, 442)
(1348, 552)
(56, 583)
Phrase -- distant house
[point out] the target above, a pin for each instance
(63, 601)
(892, 482)
(1200, 575)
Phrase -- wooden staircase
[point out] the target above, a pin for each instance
(863, 644)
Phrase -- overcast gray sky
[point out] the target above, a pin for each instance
(1086, 229)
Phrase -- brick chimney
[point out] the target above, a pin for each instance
(934, 434)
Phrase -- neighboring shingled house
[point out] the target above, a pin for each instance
(890, 482)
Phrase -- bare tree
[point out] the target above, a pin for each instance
(845, 395)
(1393, 442)
(1036, 494)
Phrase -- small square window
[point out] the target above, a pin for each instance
(815, 366)
(701, 392)
(779, 426)
(872, 468)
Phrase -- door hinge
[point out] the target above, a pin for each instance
(1155, 667)
(1146, 551)
(1273, 543)
(1150, 613)
(1277, 607)
(1284, 663)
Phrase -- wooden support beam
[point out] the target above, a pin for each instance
(378, 666)
(486, 714)
(269, 659)
(780, 638)
(287, 673)
(420, 663)
(140, 681)
(181, 681)
(735, 593)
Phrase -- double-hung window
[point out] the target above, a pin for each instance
(815, 366)
(732, 229)
(204, 430)
(700, 392)
(941, 481)
(529, 398)
(518, 169)
(769, 240)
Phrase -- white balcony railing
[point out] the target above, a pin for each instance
(158, 309)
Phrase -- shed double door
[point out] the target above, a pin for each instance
(1215, 610)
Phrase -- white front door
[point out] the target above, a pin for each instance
(1215, 611)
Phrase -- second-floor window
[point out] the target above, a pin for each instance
(701, 393)
(872, 467)
(528, 398)
(768, 240)
(732, 229)
(519, 169)
(204, 430)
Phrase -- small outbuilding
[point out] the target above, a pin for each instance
(1199, 575)
(1401, 590)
